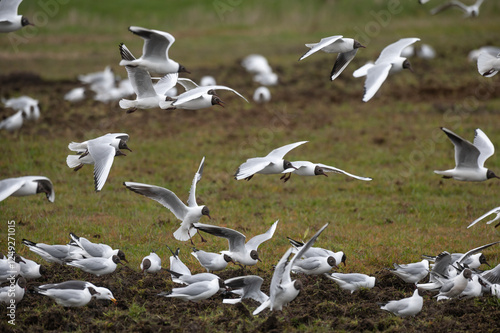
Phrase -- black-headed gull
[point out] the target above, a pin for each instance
(55, 253)
(493, 211)
(9, 19)
(212, 261)
(102, 151)
(339, 256)
(262, 95)
(74, 293)
(197, 291)
(176, 263)
(10, 267)
(187, 214)
(247, 286)
(469, 11)
(245, 254)
(155, 57)
(389, 61)
(405, 307)
(345, 47)
(474, 54)
(190, 279)
(314, 265)
(151, 263)
(196, 97)
(27, 185)
(488, 63)
(283, 290)
(96, 265)
(306, 168)
(453, 287)
(411, 273)
(96, 249)
(14, 122)
(148, 96)
(470, 158)
(272, 163)
(352, 281)
(31, 269)
(9, 295)
(25, 103)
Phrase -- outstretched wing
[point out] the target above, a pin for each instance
(192, 192)
(318, 46)
(9, 186)
(166, 197)
(254, 242)
(493, 211)
(236, 239)
(327, 168)
(343, 59)
(484, 145)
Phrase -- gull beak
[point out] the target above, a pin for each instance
(220, 103)
(114, 301)
(124, 260)
(209, 216)
(324, 174)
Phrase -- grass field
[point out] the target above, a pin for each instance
(406, 211)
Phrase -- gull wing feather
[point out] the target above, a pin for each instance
(255, 241)
(9, 186)
(197, 177)
(328, 168)
(318, 46)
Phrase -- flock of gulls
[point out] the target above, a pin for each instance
(451, 275)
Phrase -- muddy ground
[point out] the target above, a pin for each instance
(321, 306)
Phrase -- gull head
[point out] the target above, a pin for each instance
(205, 211)
(407, 65)
(25, 22)
(319, 171)
(217, 101)
(297, 284)
(491, 174)
(183, 69)
(357, 45)
(123, 145)
(254, 255)
(121, 256)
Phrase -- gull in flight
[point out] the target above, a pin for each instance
(187, 214)
(27, 185)
(306, 168)
(345, 47)
(470, 157)
(154, 57)
(273, 163)
(469, 11)
(390, 61)
(9, 19)
(245, 254)
(101, 152)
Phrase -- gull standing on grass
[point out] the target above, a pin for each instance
(306, 168)
(411, 273)
(7, 293)
(212, 261)
(273, 163)
(101, 152)
(176, 264)
(352, 281)
(197, 291)
(405, 307)
(14, 122)
(95, 249)
(283, 290)
(25, 103)
(339, 256)
(9, 19)
(31, 270)
(390, 61)
(55, 253)
(27, 185)
(187, 214)
(154, 57)
(151, 263)
(245, 254)
(345, 47)
(470, 158)
(96, 265)
(74, 293)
